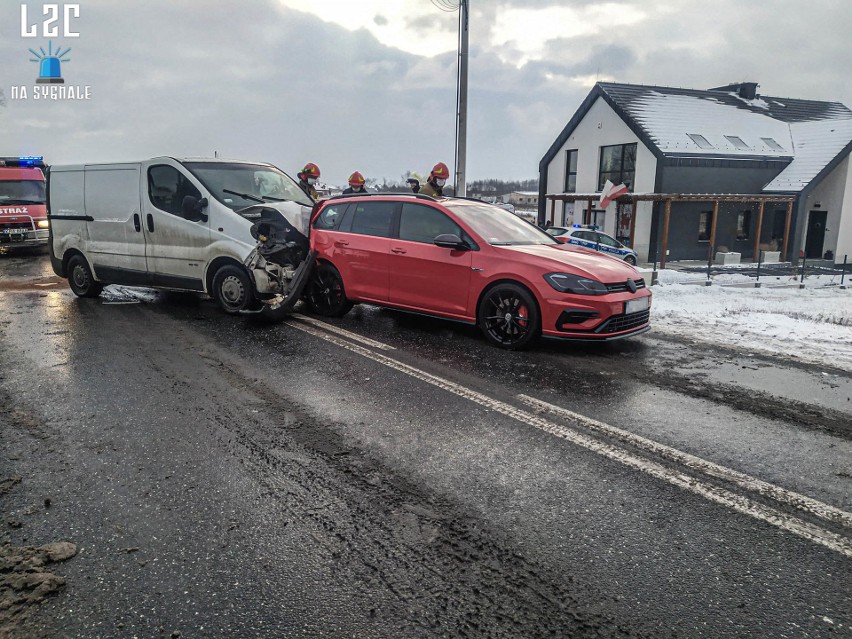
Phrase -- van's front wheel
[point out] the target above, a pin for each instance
(232, 289)
(80, 278)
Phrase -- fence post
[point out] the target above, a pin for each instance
(709, 265)
(804, 264)
(843, 273)
(655, 278)
(759, 261)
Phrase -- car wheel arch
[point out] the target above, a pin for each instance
(218, 263)
(72, 252)
(506, 280)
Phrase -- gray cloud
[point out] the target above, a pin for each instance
(256, 81)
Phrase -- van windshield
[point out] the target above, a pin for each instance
(260, 182)
(21, 192)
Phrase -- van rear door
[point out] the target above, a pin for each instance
(116, 244)
(176, 247)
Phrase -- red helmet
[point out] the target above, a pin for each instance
(310, 170)
(356, 180)
(440, 171)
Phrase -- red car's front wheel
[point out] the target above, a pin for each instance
(508, 316)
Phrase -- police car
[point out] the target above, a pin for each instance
(589, 237)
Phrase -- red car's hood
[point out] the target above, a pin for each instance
(577, 261)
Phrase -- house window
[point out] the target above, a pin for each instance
(571, 171)
(705, 225)
(737, 142)
(743, 225)
(772, 144)
(700, 140)
(618, 165)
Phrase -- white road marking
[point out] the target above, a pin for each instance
(738, 503)
(344, 332)
(802, 502)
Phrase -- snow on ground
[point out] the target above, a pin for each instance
(813, 324)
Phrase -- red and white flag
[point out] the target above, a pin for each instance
(611, 192)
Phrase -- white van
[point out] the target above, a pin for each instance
(234, 230)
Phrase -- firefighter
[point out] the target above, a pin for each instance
(413, 184)
(356, 184)
(308, 177)
(437, 178)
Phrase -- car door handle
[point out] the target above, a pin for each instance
(150, 219)
(398, 250)
(341, 243)
(136, 222)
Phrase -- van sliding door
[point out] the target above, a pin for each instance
(116, 244)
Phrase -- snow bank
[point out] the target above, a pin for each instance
(812, 324)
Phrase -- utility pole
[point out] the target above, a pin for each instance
(461, 104)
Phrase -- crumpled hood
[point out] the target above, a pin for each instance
(577, 261)
(296, 214)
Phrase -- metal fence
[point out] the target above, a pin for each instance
(773, 270)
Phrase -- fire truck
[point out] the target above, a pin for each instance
(23, 212)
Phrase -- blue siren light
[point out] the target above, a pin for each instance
(49, 68)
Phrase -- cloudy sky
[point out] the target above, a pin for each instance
(371, 84)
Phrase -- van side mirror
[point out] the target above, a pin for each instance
(193, 208)
(450, 241)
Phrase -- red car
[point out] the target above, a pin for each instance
(469, 261)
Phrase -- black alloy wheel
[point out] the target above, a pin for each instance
(630, 260)
(326, 295)
(80, 278)
(508, 316)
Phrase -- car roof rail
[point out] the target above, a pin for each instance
(419, 196)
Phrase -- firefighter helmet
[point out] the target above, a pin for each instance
(440, 171)
(310, 170)
(356, 180)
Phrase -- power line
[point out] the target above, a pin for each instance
(447, 5)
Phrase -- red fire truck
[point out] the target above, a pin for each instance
(23, 213)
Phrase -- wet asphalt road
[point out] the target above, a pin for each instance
(227, 479)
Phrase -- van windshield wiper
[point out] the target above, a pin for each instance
(19, 201)
(245, 196)
(256, 198)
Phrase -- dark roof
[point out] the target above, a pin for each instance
(783, 109)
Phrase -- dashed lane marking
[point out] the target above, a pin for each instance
(734, 501)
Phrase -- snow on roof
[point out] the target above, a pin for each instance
(721, 123)
(670, 119)
(816, 144)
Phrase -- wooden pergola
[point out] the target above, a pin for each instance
(668, 198)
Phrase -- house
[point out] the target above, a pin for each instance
(522, 199)
(755, 173)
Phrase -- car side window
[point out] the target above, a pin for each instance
(606, 240)
(373, 218)
(584, 235)
(167, 187)
(330, 218)
(419, 223)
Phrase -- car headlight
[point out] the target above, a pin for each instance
(567, 283)
(43, 224)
